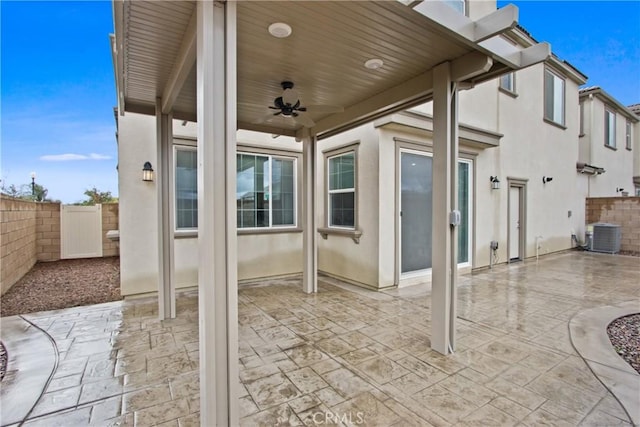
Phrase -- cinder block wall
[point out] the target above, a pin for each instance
(18, 248)
(109, 222)
(623, 211)
(48, 231)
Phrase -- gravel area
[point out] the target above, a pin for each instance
(64, 284)
(624, 334)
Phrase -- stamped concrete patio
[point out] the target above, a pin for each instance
(343, 356)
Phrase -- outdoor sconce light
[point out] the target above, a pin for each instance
(495, 182)
(546, 179)
(147, 172)
(619, 190)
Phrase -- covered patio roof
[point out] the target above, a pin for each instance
(216, 63)
(155, 54)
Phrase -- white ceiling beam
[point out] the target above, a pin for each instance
(483, 35)
(535, 54)
(403, 96)
(469, 66)
(495, 23)
(386, 102)
(181, 68)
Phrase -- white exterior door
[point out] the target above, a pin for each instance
(80, 231)
(514, 223)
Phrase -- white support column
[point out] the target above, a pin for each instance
(217, 241)
(309, 236)
(166, 264)
(445, 194)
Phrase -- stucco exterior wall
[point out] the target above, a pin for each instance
(530, 149)
(618, 162)
(623, 211)
(259, 255)
(338, 255)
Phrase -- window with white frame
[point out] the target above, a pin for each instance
(508, 82)
(609, 128)
(186, 188)
(553, 97)
(265, 191)
(342, 190)
(628, 134)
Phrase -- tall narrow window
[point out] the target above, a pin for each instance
(553, 98)
(265, 191)
(609, 128)
(186, 182)
(464, 206)
(628, 134)
(342, 191)
(508, 82)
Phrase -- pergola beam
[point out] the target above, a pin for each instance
(182, 67)
(401, 97)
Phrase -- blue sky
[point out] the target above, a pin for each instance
(58, 93)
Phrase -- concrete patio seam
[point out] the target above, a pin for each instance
(588, 336)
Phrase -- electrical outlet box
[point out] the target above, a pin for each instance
(494, 245)
(454, 218)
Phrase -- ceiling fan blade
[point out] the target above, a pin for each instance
(324, 109)
(290, 96)
(304, 120)
(265, 118)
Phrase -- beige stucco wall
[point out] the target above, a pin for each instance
(618, 163)
(259, 255)
(338, 255)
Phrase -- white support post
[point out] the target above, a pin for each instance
(166, 267)
(445, 166)
(217, 241)
(309, 236)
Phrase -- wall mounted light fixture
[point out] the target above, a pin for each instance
(147, 172)
(546, 179)
(495, 182)
(619, 190)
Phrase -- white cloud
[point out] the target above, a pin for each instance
(71, 156)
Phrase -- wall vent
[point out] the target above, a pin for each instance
(606, 238)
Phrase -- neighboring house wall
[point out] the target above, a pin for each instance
(622, 211)
(618, 161)
(30, 233)
(259, 254)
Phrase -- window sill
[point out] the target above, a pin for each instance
(610, 147)
(354, 234)
(276, 230)
(508, 92)
(551, 122)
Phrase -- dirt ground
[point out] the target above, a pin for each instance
(63, 284)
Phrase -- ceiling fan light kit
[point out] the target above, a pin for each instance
(280, 30)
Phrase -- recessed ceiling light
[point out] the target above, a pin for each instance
(280, 30)
(374, 64)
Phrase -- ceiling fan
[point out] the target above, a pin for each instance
(289, 105)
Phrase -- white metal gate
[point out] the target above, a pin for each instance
(80, 231)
